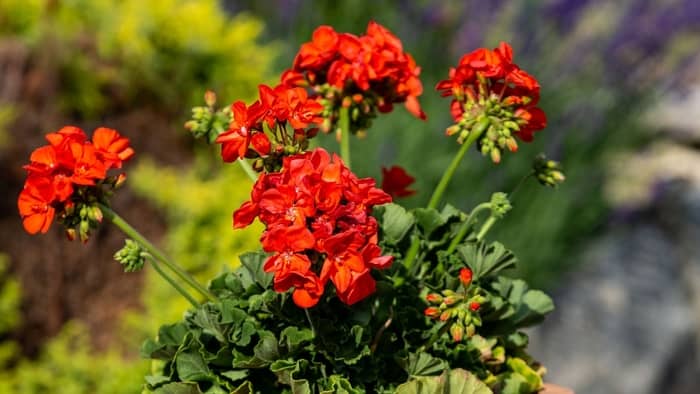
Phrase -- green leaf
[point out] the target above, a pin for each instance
(230, 313)
(291, 337)
(172, 334)
(531, 377)
(266, 349)
(208, 320)
(456, 381)
(514, 384)
(486, 259)
(252, 268)
(396, 222)
(156, 380)
(449, 212)
(153, 349)
(428, 219)
(235, 374)
(535, 304)
(423, 364)
(190, 366)
(179, 388)
(301, 386)
(245, 388)
(340, 385)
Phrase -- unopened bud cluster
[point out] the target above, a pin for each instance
(84, 213)
(130, 256)
(207, 121)
(548, 172)
(458, 309)
(362, 109)
(500, 205)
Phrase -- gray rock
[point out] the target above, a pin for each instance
(627, 320)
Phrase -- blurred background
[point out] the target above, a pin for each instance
(617, 244)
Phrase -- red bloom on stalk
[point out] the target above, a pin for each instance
(487, 85)
(340, 64)
(35, 205)
(465, 276)
(68, 163)
(318, 227)
(395, 181)
(276, 107)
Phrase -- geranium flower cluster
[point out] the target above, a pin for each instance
(370, 72)
(318, 227)
(494, 98)
(59, 173)
(275, 109)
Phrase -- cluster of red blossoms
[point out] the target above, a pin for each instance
(69, 162)
(319, 227)
(372, 64)
(490, 75)
(276, 108)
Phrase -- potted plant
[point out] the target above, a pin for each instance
(350, 292)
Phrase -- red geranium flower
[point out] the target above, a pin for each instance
(34, 204)
(395, 181)
(68, 163)
(319, 227)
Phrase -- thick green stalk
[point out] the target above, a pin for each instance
(441, 187)
(155, 252)
(344, 123)
(248, 169)
(171, 281)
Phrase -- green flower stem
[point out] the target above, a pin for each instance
(440, 190)
(345, 135)
(449, 173)
(171, 281)
(485, 228)
(248, 169)
(311, 322)
(157, 254)
(465, 226)
(435, 337)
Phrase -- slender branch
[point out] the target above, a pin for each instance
(485, 228)
(311, 323)
(171, 281)
(466, 224)
(153, 250)
(441, 187)
(449, 173)
(381, 330)
(345, 135)
(435, 337)
(248, 169)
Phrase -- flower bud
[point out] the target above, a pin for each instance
(119, 182)
(495, 155)
(457, 332)
(71, 234)
(96, 213)
(474, 306)
(444, 316)
(210, 98)
(465, 276)
(471, 330)
(432, 312)
(451, 300)
(434, 298)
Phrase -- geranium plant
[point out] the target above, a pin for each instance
(350, 292)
